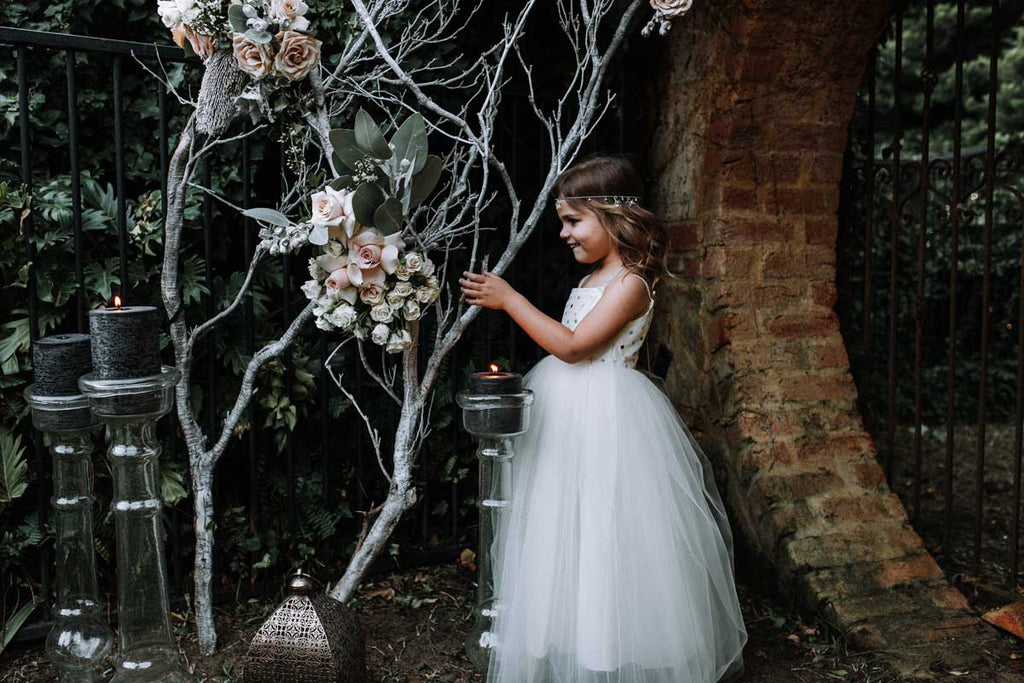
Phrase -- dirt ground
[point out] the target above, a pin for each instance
(416, 621)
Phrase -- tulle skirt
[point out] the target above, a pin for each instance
(614, 563)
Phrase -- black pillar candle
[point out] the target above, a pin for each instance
(59, 361)
(495, 382)
(125, 342)
(495, 420)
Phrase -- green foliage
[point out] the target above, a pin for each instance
(13, 468)
(396, 176)
(14, 623)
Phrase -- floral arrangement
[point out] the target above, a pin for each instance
(269, 38)
(365, 281)
(664, 12)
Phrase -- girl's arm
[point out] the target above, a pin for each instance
(623, 300)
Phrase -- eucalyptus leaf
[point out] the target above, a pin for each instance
(346, 150)
(369, 137)
(237, 19)
(341, 183)
(424, 182)
(365, 201)
(261, 37)
(268, 216)
(410, 142)
(388, 217)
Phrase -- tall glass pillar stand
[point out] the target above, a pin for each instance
(131, 408)
(80, 637)
(493, 420)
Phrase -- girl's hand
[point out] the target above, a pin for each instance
(487, 289)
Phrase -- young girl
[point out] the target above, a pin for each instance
(615, 562)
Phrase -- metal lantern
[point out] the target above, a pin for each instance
(310, 638)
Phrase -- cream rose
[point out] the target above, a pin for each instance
(423, 294)
(380, 334)
(254, 59)
(297, 55)
(281, 10)
(399, 342)
(372, 294)
(402, 272)
(403, 289)
(381, 313)
(414, 262)
(412, 310)
(395, 300)
(672, 8)
(427, 269)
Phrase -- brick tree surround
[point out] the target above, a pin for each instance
(750, 117)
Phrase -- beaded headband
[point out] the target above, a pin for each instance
(613, 199)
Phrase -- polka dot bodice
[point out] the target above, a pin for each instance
(623, 348)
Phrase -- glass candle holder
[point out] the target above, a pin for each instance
(131, 408)
(80, 637)
(493, 419)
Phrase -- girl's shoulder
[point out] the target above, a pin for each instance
(647, 285)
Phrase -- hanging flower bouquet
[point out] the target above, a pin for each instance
(365, 281)
(269, 39)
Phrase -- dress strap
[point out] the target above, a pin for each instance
(650, 294)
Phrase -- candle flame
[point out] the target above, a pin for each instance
(117, 301)
(494, 367)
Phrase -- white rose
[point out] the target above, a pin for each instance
(312, 289)
(372, 294)
(343, 316)
(432, 282)
(672, 8)
(403, 289)
(395, 300)
(402, 272)
(359, 332)
(323, 324)
(169, 13)
(315, 271)
(412, 310)
(381, 313)
(427, 268)
(380, 334)
(399, 342)
(423, 294)
(299, 24)
(414, 262)
(328, 207)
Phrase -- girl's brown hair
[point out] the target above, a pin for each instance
(638, 233)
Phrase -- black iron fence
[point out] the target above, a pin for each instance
(249, 499)
(932, 273)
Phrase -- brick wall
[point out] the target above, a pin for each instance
(750, 117)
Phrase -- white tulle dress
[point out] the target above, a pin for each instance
(614, 563)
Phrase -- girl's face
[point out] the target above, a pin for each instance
(583, 231)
